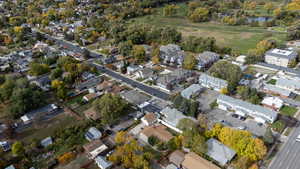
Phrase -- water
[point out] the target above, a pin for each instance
(259, 19)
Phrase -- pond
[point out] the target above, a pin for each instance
(259, 19)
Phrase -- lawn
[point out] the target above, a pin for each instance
(41, 130)
(240, 38)
(272, 81)
(278, 126)
(288, 110)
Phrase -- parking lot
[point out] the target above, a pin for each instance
(218, 115)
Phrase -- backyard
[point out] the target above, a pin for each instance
(288, 110)
(240, 38)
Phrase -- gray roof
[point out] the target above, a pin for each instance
(276, 89)
(46, 142)
(10, 167)
(248, 108)
(93, 133)
(172, 116)
(211, 81)
(288, 54)
(101, 161)
(219, 152)
(135, 97)
(290, 83)
(207, 56)
(89, 83)
(188, 92)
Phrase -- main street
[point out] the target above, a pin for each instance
(288, 156)
(147, 89)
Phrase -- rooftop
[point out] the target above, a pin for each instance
(135, 97)
(282, 53)
(219, 152)
(159, 131)
(194, 161)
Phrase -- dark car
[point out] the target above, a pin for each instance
(235, 115)
(242, 118)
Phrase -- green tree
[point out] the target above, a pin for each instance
(153, 140)
(268, 137)
(269, 7)
(106, 107)
(37, 69)
(199, 15)
(139, 53)
(18, 149)
(126, 48)
(186, 124)
(189, 62)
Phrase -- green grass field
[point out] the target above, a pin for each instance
(240, 38)
(288, 110)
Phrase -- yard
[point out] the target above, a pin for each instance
(288, 110)
(240, 38)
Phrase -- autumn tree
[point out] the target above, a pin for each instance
(294, 5)
(155, 56)
(269, 7)
(199, 15)
(256, 55)
(170, 10)
(194, 140)
(18, 149)
(189, 62)
(37, 69)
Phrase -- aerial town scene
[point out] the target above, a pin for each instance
(149, 84)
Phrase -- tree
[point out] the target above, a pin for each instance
(153, 140)
(269, 7)
(18, 149)
(224, 90)
(294, 5)
(268, 137)
(139, 53)
(120, 137)
(193, 140)
(155, 56)
(56, 73)
(199, 15)
(227, 71)
(37, 69)
(125, 48)
(189, 62)
(170, 10)
(186, 124)
(256, 55)
(242, 162)
(108, 110)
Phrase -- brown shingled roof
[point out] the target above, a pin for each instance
(194, 161)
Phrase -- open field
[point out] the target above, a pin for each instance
(240, 38)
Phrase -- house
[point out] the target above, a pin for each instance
(94, 148)
(274, 90)
(241, 60)
(206, 59)
(93, 134)
(43, 82)
(176, 158)
(89, 97)
(145, 73)
(149, 119)
(243, 108)
(212, 82)
(171, 54)
(171, 117)
(192, 91)
(158, 131)
(291, 84)
(102, 163)
(219, 152)
(10, 167)
(5, 146)
(105, 86)
(273, 103)
(194, 161)
(46, 142)
(135, 97)
(89, 84)
(168, 81)
(87, 75)
(280, 57)
(132, 69)
(28, 117)
(92, 114)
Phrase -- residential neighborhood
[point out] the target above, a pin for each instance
(88, 84)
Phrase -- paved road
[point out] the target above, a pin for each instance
(289, 155)
(145, 88)
(133, 83)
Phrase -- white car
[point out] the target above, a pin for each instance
(298, 138)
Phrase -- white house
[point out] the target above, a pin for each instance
(291, 84)
(93, 134)
(102, 163)
(272, 102)
(280, 57)
(212, 82)
(242, 108)
(94, 148)
(191, 91)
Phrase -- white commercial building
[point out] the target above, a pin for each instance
(280, 57)
(212, 82)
